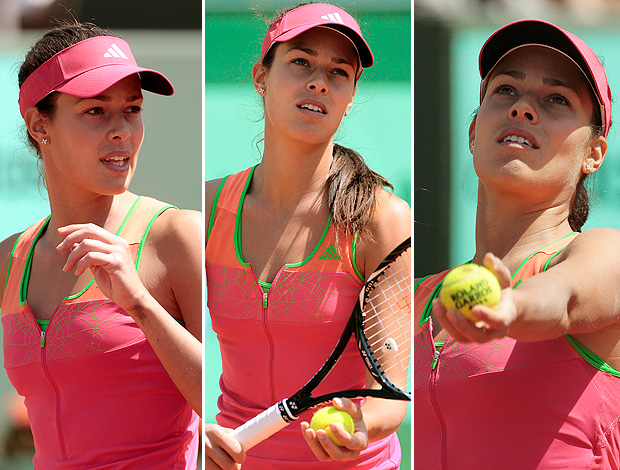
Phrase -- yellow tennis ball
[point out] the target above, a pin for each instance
(469, 285)
(331, 414)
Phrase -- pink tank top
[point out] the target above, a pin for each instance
(96, 393)
(273, 342)
(545, 405)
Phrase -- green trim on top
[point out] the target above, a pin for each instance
(148, 229)
(214, 207)
(23, 287)
(265, 285)
(131, 209)
(237, 233)
(426, 313)
(43, 324)
(8, 271)
(353, 263)
(538, 251)
(316, 248)
(118, 232)
(590, 357)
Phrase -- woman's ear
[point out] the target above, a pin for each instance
(259, 71)
(596, 156)
(472, 135)
(36, 125)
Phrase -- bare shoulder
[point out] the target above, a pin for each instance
(6, 248)
(593, 243)
(390, 224)
(177, 227)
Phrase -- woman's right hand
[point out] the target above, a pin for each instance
(222, 450)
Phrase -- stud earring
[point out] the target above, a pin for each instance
(261, 91)
(44, 141)
(588, 167)
(471, 148)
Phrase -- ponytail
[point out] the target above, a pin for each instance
(352, 189)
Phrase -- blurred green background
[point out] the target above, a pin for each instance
(378, 126)
(448, 35)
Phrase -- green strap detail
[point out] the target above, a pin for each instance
(131, 209)
(237, 233)
(353, 263)
(429, 305)
(23, 288)
(148, 229)
(538, 251)
(316, 248)
(118, 232)
(214, 207)
(590, 357)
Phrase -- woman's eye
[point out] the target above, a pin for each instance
(341, 72)
(300, 61)
(134, 109)
(504, 90)
(558, 99)
(95, 111)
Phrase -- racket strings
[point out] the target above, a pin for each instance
(387, 321)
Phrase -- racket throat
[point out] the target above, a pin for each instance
(285, 411)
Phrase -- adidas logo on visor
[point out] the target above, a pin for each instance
(115, 51)
(335, 17)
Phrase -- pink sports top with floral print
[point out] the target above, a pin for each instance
(509, 404)
(98, 397)
(273, 338)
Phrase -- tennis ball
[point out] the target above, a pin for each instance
(331, 414)
(469, 285)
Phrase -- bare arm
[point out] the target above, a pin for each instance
(579, 293)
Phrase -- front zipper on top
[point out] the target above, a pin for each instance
(61, 439)
(433, 397)
(272, 352)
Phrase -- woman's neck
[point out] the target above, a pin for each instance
(291, 172)
(512, 229)
(104, 211)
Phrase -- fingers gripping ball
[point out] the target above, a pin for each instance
(469, 285)
(331, 414)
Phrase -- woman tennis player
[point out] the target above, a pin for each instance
(289, 243)
(101, 307)
(535, 383)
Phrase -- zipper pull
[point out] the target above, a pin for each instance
(435, 357)
(264, 299)
(42, 339)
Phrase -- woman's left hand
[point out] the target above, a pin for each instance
(493, 323)
(109, 259)
(352, 444)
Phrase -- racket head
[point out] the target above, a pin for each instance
(383, 322)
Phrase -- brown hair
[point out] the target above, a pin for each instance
(580, 207)
(351, 184)
(64, 35)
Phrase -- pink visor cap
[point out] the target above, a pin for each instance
(86, 69)
(541, 33)
(301, 19)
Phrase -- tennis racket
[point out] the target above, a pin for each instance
(381, 323)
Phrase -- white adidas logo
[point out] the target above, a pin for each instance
(335, 17)
(115, 51)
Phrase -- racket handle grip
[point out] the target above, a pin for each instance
(260, 427)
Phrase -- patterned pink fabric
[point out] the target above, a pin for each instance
(98, 398)
(271, 350)
(509, 404)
